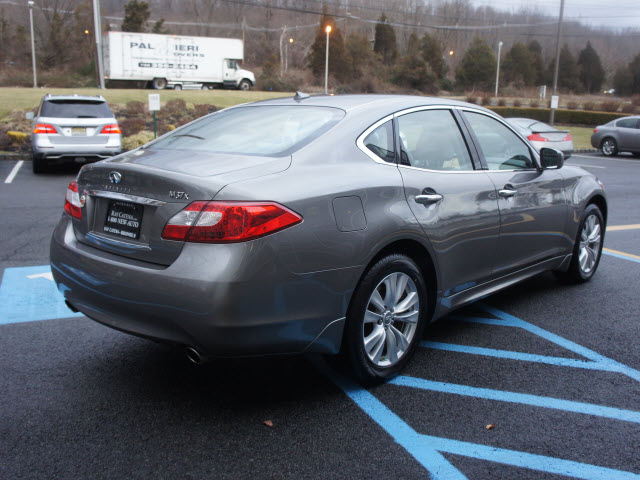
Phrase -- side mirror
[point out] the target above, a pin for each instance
(29, 115)
(551, 158)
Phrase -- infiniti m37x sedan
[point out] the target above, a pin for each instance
(321, 224)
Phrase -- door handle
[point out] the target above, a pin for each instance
(507, 191)
(429, 198)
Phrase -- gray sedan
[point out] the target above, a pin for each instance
(315, 224)
(621, 135)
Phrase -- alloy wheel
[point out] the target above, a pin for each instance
(590, 239)
(608, 147)
(391, 319)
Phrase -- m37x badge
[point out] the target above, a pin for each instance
(178, 195)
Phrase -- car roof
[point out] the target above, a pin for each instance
(391, 103)
(92, 98)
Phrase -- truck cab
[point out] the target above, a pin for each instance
(235, 77)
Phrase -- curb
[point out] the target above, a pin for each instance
(13, 156)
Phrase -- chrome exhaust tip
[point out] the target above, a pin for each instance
(194, 356)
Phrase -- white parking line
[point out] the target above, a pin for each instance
(14, 172)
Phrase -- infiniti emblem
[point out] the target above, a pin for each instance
(115, 177)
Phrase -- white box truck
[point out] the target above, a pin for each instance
(176, 61)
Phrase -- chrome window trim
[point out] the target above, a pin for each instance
(360, 141)
(126, 197)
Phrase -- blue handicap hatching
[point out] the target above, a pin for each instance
(29, 294)
(428, 450)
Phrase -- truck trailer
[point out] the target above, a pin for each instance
(176, 61)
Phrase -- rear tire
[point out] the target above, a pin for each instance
(609, 147)
(587, 250)
(177, 88)
(159, 83)
(636, 154)
(38, 163)
(385, 320)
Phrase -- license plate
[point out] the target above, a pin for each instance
(78, 131)
(123, 219)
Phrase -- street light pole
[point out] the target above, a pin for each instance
(98, 30)
(498, 69)
(33, 45)
(326, 62)
(555, 73)
(286, 54)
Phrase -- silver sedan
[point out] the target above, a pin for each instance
(621, 135)
(541, 135)
(315, 224)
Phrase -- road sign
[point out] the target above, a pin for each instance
(154, 102)
(554, 101)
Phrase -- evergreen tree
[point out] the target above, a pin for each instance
(385, 41)
(477, 69)
(432, 54)
(359, 51)
(136, 15)
(339, 61)
(536, 52)
(158, 27)
(634, 69)
(623, 81)
(591, 71)
(568, 70)
(519, 66)
(413, 46)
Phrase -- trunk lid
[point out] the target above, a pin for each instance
(130, 198)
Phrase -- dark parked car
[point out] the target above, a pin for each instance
(621, 135)
(73, 128)
(311, 224)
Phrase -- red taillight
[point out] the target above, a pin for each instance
(595, 130)
(44, 128)
(72, 203)
(228, 222)
(111, 129)
(567, 138)
(536, 137)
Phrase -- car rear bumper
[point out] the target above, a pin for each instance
(42, 146)
(226, 300)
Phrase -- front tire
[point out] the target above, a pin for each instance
(385, 320)
(588, 247)
(609, 147)
(244, 85)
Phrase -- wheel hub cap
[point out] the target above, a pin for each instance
(390, 320)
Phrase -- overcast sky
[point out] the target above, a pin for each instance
(601, 13)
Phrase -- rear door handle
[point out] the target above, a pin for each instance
(507, 191)
(429, 198)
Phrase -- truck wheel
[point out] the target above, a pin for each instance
(244, 85)
(206, 87)
(177, 88)
(159, 83)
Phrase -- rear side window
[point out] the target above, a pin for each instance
(627, 123)
(380, 142)
(265, 131)
(75, 109)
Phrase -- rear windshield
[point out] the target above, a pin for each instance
(75, 109)
(265, 131)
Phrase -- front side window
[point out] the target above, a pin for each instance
(380, 142)
(502, 149)
(431, 139)
(266, 131)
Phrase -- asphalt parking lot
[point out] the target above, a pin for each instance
(552, 370)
